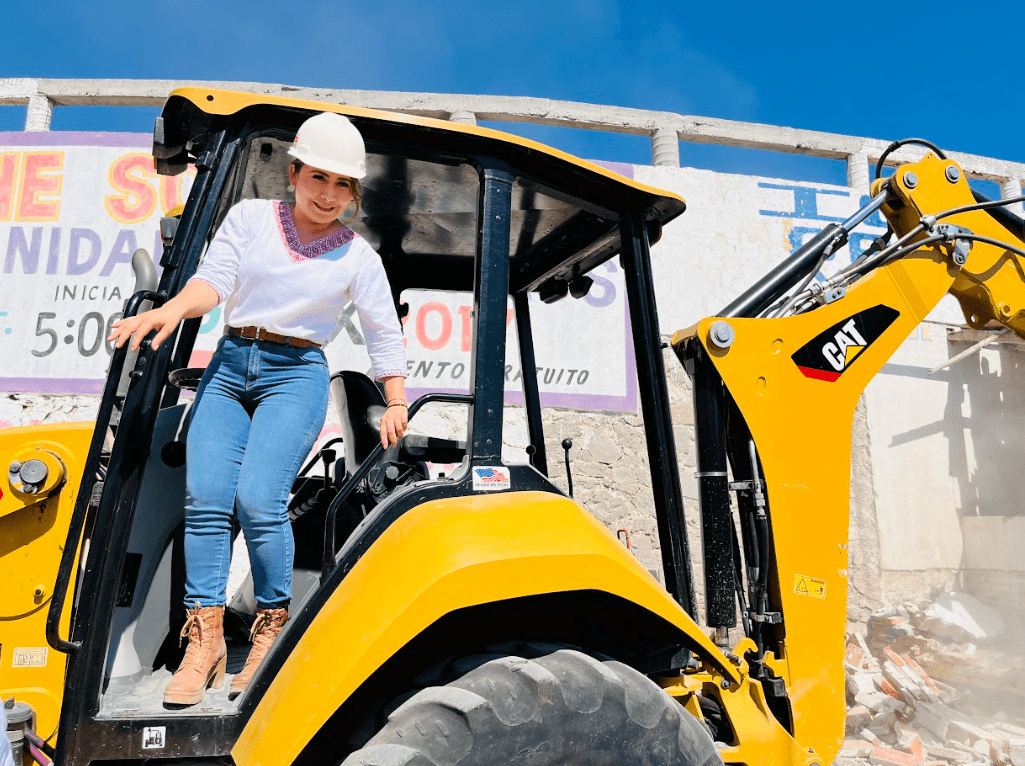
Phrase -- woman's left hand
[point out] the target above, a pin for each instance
(393, 424)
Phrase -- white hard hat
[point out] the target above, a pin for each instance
(330, 142)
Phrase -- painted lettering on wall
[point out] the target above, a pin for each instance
(77, 252)
(138, 192)
(810, 204)
(30, 185)
(72, 217)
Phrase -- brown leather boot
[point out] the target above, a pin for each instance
(268, 625)
(205, 658)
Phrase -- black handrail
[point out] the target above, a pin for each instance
(85, 490)
(328, 559)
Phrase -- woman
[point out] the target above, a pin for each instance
(284, 272)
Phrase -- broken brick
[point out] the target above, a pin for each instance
(877, 702)
(887, 687)
(893, 656)
(858, 717)
(906, 690)
(920, 672)
(999, 752)
(853, 653)
(904, 678)
(859, 683)
(884, 756)
(946, 753)
(856, 748)
(913, 745)
(947, 693)
(935, 718)
(863, 645)
(971, 752)
(1016, 751)
(870, 736)
(933, 691)
(969, 734)
(892, 620)
(882, 723)
(911, 706)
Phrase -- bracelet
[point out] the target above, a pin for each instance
(396, 403)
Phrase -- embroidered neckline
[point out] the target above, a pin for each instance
(297, 251)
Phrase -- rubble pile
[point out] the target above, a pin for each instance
(927, 686)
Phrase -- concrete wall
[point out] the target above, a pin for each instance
(987, 403)
(994, 567)
(914, 469)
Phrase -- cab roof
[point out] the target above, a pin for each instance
(421, 193)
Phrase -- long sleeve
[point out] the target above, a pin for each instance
(372, 297)
(220, 266)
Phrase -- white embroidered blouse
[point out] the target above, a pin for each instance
(270, 280)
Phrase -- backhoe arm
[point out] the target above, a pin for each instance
(777, 377)
(988, 242)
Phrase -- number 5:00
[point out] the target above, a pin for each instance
(93, 330)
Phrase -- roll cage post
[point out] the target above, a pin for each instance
(655, 409)
(490, 299)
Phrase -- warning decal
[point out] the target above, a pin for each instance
(809, 586)
(34, 657)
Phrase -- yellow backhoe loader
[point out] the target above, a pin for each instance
(462, 619)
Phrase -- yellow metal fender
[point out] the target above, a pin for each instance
(33, 532)
(437, 558)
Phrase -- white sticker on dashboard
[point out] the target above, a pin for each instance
(154, 737)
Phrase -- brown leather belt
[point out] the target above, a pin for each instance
(258, 333)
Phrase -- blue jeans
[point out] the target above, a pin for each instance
(259, 409)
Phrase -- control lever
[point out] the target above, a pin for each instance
(323, 496)
(328, 456)
(566, 445)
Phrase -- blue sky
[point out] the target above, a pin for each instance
(947, 72)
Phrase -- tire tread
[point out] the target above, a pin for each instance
(554, 706)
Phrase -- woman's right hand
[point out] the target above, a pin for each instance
(162, 319)
(195, 300)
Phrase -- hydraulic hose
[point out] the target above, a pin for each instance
(738, 574)
(904, 142)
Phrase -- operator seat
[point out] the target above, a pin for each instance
(361, 406)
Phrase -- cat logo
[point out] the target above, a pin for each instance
(848, 344)
(830, 353)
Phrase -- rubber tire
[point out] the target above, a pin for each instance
(564, 707)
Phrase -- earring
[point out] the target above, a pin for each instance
(290, 188)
